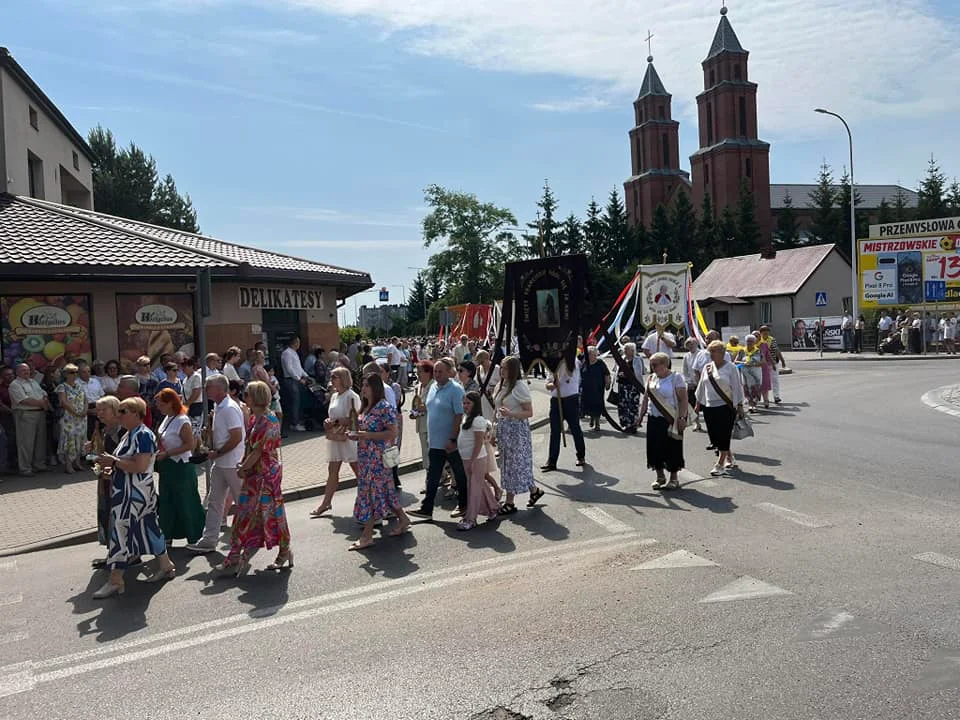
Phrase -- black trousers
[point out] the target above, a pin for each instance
(439, 458)
(571, 415)
(720, 421)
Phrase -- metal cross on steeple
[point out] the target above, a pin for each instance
(650, 37)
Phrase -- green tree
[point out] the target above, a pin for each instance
(748, 230)
(126, 184)
(931, 202)
(661, 236)
(885, 212)
(348, 333)
(823, 200)
(953, 197)
(474, 238)
(618, 238)
(726, 243)
(788, 229)
(434, 289)
(416, 307)
(594, 236)
(843, 228)
(683, 221)
(705, 240)
(544, 239)
(570, 237)
(901, 211)
(643, 250)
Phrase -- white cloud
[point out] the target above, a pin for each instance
(403, 220)
(353, 244)
(584, 103)
(864, 58)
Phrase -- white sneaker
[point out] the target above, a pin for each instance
(300, 428)
(717, 470)
(201, 547)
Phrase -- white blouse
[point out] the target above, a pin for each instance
(170, 439)
(518, 396)
(707, 396)
(667, 387)
(467, 439)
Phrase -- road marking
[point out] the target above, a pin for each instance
(22, 677)
(677, 559)
(934, 399)
(792, 515)
(605, 519)
(10, 598)
(837, 623)
(745, 588)
(939, 560)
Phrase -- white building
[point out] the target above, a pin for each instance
(41, 154)
(380, 317)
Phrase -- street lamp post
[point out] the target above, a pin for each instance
(854, 275)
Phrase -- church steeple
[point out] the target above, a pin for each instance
(654, 150)
(731, 152)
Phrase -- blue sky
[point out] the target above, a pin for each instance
(312, 126)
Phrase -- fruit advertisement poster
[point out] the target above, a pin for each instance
(153, 325)
(45, 329)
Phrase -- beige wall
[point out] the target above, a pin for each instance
(49, 143)
(833, 278)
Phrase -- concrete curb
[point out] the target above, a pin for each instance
(85, 536)
(881, 358)
(934, 399)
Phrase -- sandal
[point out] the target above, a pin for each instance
(400, 529)
(465, 525)
(659, 484)
(318, 512)
(671, 485)
(535, 495)
(508, 509)
(360, 545)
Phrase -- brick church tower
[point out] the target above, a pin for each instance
(730, 150)
(654, 152)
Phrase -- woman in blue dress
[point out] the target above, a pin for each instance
(134, 529)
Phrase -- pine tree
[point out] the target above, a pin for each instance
(171, 209)
(683, 220)
(953, 197)
(843, 228)
(726, 242)
(705, 241)
(823, 200)
(594, 236)
(543, 238)
(434, 289)
(931, 202)
(901, 211)
(570, 237)
(748, 230)
(662, 237)
(617, 232)
(643, 251)
(788, 229)
(418, 300)
(885, 214)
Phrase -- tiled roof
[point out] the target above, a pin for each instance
(652, 84)
(870, 195)
(33, 235)
(725, 40)
(133, 243)
(751, 276)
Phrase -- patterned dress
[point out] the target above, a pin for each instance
(376, 494)
(73, 429)
(261, 520)
(134, 527)
(515, 442)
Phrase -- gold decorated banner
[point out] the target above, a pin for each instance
(663, 295)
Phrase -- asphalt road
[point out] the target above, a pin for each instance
(821, 581)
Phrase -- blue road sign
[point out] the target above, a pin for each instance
(821, 299)
(935, 290)
(384, 295)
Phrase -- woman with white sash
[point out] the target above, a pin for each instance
(665, 397)
(720, 396)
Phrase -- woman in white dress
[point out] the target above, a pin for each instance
(343, 403)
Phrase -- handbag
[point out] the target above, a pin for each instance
(742, 429)
(391, 456)
(613, 397)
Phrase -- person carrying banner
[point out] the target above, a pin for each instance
(564, 387)
(665, 397)
(659, 340)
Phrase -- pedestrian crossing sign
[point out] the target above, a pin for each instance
(821, 299)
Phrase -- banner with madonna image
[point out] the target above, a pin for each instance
(547, 301)
(663, 293)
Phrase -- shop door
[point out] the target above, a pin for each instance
(280, 326)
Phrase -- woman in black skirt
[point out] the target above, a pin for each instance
(665, 398)
(720, 396)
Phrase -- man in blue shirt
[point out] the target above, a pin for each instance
(444, 414)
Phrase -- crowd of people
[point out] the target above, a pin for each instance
(144, 436)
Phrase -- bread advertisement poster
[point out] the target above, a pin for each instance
(153, 325)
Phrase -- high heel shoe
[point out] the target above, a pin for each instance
(161, 575)
(108, 590)
(282, 559)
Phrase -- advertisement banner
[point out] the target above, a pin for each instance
(663, 292)
(805, 333)
(894, 271)
(548, 295)
(153, 325)
(46, 329)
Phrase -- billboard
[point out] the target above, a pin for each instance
(45, 329)
(153, 325)
(895, 271)
(804, 335)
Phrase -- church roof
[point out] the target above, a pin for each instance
(725, 40)
(652, 84)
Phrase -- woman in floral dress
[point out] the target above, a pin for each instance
(261, 520)
(514, 410)
(73, 422)
(376, 495)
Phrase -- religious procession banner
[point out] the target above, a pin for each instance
(546, 297)
(473, 320)
(663, 295)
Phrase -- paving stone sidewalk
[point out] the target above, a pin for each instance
(951, 396)
(54, 508)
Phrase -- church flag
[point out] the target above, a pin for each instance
(663, 294)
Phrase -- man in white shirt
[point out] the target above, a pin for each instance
(93, 390)
(212, 362)
(393, 358)
(846, 332)
(293, 377)
(30, 406)
(950, 333)
(659, 341)
(460, 351)
(703, 357)
(565, 383)
(226, 453)
(353, 351)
